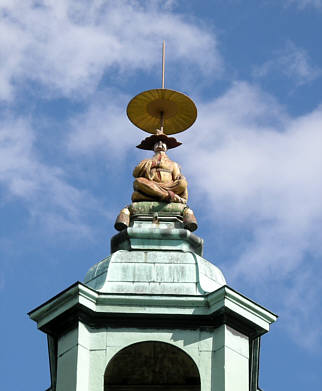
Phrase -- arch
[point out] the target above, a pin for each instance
(151, 365)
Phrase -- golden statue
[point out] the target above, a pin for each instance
(159, 178)
(161, 112)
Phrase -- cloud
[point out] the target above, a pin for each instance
(261, 167)
(259, 171)
(292, 62)
(103, 127)
(43, 188)
(68, 46)
(306, 3)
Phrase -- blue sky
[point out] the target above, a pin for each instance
(252, 159)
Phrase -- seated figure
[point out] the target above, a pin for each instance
(159, 178)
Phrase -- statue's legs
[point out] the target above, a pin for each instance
(179, 187)
(137, 196)
(147, 190)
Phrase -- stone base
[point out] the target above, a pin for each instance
(156, 212)
(164, 235)
(156, 258)
(162, 208)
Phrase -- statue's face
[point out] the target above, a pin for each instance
(160, 146)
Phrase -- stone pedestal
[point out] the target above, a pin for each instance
(154, 315)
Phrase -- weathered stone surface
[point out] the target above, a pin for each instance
(157, 272)
(146, 235)
(155, 259)
(162, 208)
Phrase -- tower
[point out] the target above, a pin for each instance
(154, 315)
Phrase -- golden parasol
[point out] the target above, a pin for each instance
(169, 110)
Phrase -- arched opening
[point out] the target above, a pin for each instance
(151, 366)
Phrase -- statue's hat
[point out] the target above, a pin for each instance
(149, 142)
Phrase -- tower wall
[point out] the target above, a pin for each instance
(221, 354)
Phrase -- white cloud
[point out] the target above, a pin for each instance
(103, 127)
(68, 46)
(292, 62)
(259, 170)
(306, 3)
(43, 188)
(261, 167)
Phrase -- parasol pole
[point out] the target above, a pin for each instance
(162, 86)
(163, 61)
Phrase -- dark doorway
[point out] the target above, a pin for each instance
(151, 366)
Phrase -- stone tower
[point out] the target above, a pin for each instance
(154, 315)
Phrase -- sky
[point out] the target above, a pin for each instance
(253, 158)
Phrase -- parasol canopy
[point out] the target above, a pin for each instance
(174, 110)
